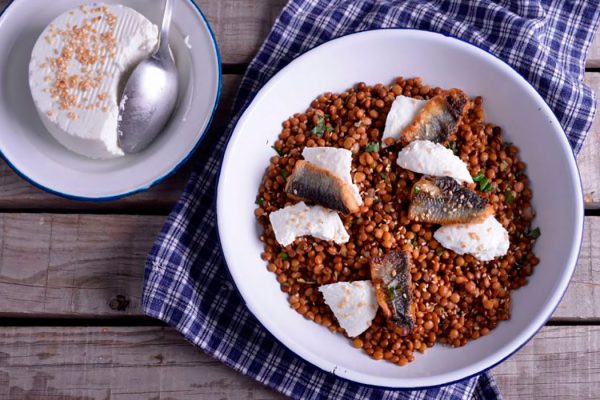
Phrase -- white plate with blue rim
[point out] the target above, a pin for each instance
(380, 56)
(34, 154)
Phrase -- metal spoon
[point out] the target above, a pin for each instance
(149, 95)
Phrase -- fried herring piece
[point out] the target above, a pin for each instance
(444, 201)
(318, 185)
(391, 279)
(438, 118)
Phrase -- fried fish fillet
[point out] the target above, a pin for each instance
(443, 200)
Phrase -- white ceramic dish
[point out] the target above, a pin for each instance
(380, 56)
(37, 156)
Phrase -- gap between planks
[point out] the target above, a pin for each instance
(150, 362)
(90, 266)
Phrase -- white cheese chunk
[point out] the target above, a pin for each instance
(298, 220)
(353, 304)
(485, 240)
(402, 113)
(433, 159)
(335, 160)
(76, 67)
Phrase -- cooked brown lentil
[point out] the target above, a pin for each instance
(457, 298)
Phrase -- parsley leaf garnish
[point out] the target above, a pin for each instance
(277, 150)
(372, 147)
(484, 183)
(533, 233)
(508, 196)
(392, 292)
(284, 256)
(416, 190)
(506, 144)
(452, 146)
(319, 128)
(260, 201)
(439, 251)
(284, 173)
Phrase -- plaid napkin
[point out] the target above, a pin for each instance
(186, 280)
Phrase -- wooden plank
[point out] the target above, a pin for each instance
(561, 362)
(113, 364)
(82, 265)
(589, 158)
(110, 363)
(239, 25)
(593, 59)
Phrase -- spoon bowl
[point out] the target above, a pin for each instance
(150, 95)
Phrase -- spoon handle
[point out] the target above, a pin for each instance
(164, 30)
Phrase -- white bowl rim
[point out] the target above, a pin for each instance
(164, 176)
(524, 337)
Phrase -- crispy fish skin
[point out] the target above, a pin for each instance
(391, 279)
(311, 183)
(443, 200)
(438, 118)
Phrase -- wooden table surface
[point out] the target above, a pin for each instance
(71, 278)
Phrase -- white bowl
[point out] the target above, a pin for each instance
(380, 56)
(28, 147)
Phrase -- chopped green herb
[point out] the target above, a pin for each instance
(414, 241)
(284, 173)
(416, 189)
(392, 292)
(479, 176)
(384, 176)
(284, 256)
(372, 147)
(277, 150)
(439, 251)
(452, 146)
(508, 196)
(286, 284)
(506, 144)
(533, 233)
(260, 202)
(328, 129)
(355, 87)
(319, 128)
(484, 183)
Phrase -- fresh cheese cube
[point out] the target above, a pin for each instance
(298, 220)
(76, 67)
(335, 160)
(484, 241)
(425, 157)
(402, 113)
(353, 304)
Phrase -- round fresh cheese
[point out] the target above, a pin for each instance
(77, 66)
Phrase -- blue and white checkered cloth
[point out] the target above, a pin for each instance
(186, 281)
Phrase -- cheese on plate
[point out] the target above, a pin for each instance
(484, 241)
(425, 157)
(298, 220)
(402, 113)
(335, 160)
(75, 70)
(353, 304)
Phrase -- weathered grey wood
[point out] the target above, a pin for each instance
(239, 25)
(593, 59)
(589, 158)
(81, 265)
(559, 363)
(113, 364)
(150, 362)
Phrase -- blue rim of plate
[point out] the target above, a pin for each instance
(391, 388)
(160, 178)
